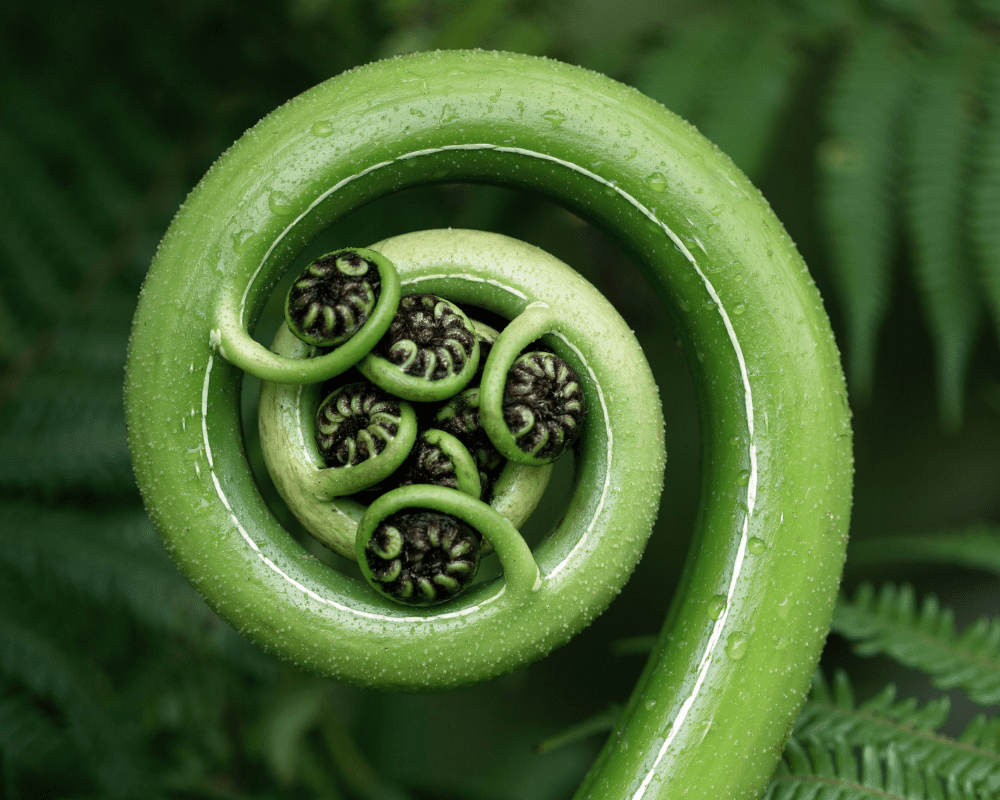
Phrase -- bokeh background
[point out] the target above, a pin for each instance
(873, 128)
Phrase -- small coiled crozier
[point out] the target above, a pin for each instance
(543, 404)
(429, 338)
(333, 298)
(355, 423)
(422, 557)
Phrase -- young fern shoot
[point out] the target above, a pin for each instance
(741, 640)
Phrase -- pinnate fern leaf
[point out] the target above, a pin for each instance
(748, 96)
(678, 73)
(42, 667)
(65, 441)
(730, 74)
(860, 165)
(939, 139)
(103, 558)
(812, 770)
(984, 211)
(923, 635)
(976, 547)
(831, 717)
(28, 736)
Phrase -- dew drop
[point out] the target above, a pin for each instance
(716, 210)
(279, 203)
(557, 118)
(756, 546)
(739, 308)
(716, 606)
(743, 478)
(323, 128)
(657, 182)
(241, 239)
(649, 704)
(737, 645)
(447, 114)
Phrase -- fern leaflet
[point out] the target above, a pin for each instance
(811, 770)
(940, 128)
(831, 716)
(748, 96)
(977, 547)
(890, 622)
(676, 74)
(984, 212)
(860, 166)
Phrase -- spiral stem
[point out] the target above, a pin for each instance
(776, 449)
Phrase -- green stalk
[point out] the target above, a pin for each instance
(744, 631)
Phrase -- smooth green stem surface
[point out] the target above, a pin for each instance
(746, 626)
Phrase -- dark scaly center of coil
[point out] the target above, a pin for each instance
(460, 418)
(423, 557)
(543, 404)
(428, 338)
(334, 297)
(430, 464)
(355, 424)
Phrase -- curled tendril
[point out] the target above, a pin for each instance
(543, 405)
(422, 558)
(460, 417)
(332, 298)
(440, 459)
(355, 423)
(429, 352)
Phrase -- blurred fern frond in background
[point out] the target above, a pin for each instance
(874, 129)
(907, 152)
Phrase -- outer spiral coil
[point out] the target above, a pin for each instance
(776, 456)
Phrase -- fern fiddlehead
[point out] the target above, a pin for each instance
(743, 634)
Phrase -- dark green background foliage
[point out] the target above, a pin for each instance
(874, 130)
